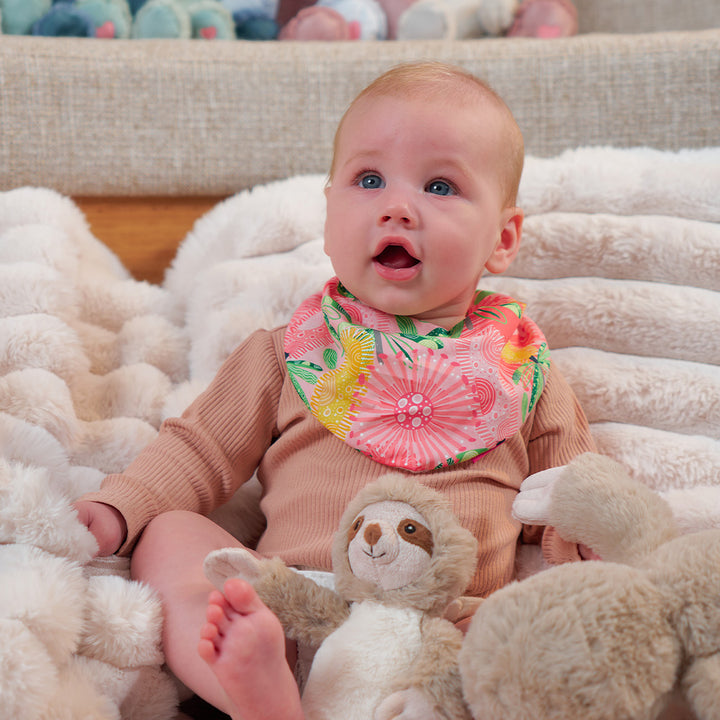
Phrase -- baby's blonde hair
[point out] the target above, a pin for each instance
(441, 82)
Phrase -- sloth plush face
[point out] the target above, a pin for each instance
(399, 543)
(390, 544)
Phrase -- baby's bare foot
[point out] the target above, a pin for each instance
(244, 645)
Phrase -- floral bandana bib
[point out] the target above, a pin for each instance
(408, 393)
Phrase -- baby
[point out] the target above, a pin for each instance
(400, 362)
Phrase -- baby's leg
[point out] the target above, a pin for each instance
(244, 644)
(169, 557)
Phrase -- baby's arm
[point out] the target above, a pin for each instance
(559, 433)
(199, 460)
(105, 522)
(560, 430)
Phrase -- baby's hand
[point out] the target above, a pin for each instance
(105, 522)
(460, 611)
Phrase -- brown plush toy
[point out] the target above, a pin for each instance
(609, 640)
(384, 649)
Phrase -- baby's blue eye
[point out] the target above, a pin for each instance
(371, 182)
(440, 187)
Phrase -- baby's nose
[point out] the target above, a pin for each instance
(400, 212)
(398, 207)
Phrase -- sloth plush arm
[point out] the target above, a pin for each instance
(594, 501)
(433, 689)
(307, 611)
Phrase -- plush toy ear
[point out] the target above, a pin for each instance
(225, 563)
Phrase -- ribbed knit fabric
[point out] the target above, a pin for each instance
(251, 417)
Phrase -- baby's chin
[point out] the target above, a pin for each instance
(397, 302)
(392, 303)
(432, 316)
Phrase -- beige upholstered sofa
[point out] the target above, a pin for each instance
(191, 118)
(198, 121)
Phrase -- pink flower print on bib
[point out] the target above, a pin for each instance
(407, 393)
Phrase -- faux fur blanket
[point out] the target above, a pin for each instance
(620, 266)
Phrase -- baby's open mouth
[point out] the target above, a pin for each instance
(396, 257)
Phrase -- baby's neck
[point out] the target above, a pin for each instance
(443, 320)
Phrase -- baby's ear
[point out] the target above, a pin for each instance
(225, 563)
(509, 241)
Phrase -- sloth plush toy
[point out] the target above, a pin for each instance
(626, 638)
(399, 558)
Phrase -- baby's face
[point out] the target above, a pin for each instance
(415, 207)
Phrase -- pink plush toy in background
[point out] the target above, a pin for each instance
(545, 19)
(338, 20)
(308, 20)
(319, 23)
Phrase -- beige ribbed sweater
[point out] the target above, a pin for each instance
(251, 417)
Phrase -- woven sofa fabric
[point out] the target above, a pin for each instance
(626, 16)
(132, 118)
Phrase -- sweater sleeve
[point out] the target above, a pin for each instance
(560, 432)
(200, 459)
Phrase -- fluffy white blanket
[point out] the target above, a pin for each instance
(620, 266)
